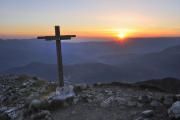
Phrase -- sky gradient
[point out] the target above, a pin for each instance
(90, 18)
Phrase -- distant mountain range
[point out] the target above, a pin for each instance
(142, 67)
(165, 84)
(15, 53)
(86, 73)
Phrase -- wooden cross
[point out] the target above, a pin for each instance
(58, 39)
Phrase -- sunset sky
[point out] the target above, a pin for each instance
(90, 18)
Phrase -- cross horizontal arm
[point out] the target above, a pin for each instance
(65, 37)
(62, 37)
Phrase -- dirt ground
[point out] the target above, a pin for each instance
(94, 111)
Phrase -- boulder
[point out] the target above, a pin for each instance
(35, 104)
(38, 104)
(65, 92)
(62, 96)
(174, 110)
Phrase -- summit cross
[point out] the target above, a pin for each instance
(58, 39)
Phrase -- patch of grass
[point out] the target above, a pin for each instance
(50, 88)
(23, 77)
(39, 83)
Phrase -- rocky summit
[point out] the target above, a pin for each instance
(29, 98)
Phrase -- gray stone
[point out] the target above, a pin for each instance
(7, 113)
(178, 97)
(80, 87)
(35, 104)
(75, 100)
(141, 118)
(174, 110)
(12, 112)
(99, 97)
(61, 96)
(120, 100)
(56, 103)
(144, 99)
(3, 98)
(139, 105)
(108, 92)
(155, 103)
(106, 102)
(147, 113)
(42, 115)
(168, 100)
(65, 92)
(28, 83)
(132, 103)
(2, 109)
(87, 97)
(4, 116)
(98, 84)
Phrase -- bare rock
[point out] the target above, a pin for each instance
(80, 87)
(147, 113)
(132, 103)
(107, 102)
(8, 113)
(120, 100)
(168, 100)
(4, 116)
(35, 104)
(42, 115)
(178, 97)
(155, 103)
(144, 99)
(64, 95)
(174, 110)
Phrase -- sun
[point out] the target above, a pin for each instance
(122, 35)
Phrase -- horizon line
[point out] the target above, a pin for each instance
(97, 38)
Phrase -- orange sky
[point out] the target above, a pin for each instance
(95, 18)
(95, 32)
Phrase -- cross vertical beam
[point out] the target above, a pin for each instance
(59, 57)
(58, 39)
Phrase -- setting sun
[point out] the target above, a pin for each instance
(122, 35)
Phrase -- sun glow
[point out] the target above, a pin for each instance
(122, 35)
